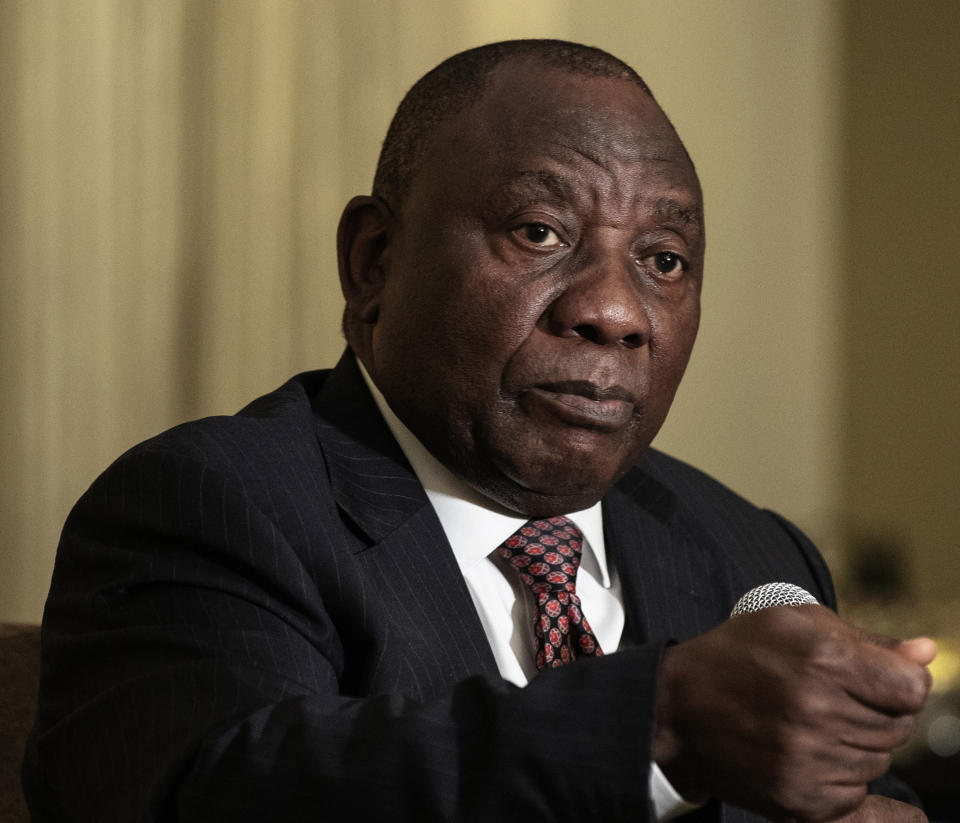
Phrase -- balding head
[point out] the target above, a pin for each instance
(459, 82)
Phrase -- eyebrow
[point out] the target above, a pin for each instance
(670, 209)
(557, 186)
(529, 185)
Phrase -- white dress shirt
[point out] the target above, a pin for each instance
(475, 526)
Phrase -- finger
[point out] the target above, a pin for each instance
(853, 767)
(919, 650)
(874, 731)
(871, 668)
(886, 681)
(837, 717)
(878, 809)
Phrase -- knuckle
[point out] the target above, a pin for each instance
(831, 651)
(881, 764)
(865, 766)
(796, 707)
(808, 708)
(906, 725)
(920, 689)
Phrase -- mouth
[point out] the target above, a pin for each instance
(584, 404)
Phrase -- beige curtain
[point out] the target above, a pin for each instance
(170, 178)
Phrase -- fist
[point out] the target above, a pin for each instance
(789, 712)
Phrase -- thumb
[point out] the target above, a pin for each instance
(920, 650)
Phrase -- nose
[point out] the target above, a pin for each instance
(603, 305)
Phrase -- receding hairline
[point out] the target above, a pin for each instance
(459, 82)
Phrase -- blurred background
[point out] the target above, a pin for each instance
(172, 172)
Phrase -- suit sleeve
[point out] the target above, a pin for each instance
(188, 679)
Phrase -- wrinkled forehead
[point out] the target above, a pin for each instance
(526, 100)
(528, 110)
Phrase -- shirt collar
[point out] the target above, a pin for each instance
(474, 524)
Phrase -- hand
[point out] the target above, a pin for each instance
(789, 712)
(876, 809)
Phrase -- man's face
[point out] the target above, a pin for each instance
(541, 287)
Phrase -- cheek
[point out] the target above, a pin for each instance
(671, 343)
(453, 333)
(476, 322)
(674, 328)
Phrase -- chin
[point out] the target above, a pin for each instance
(535, 504)
(545, 484)
(543, 496)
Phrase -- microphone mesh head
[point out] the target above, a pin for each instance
(772, 594)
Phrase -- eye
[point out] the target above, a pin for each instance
(540, 234)
(669, 263)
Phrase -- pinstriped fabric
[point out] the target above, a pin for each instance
(259, 617)
(415, 572)
(416, 580)
(684, 567)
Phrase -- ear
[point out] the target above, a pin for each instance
(361, 241)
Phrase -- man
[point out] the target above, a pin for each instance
(325, 607)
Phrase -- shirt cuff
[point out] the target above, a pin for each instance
(667, 803)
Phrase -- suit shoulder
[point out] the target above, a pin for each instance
(677, 491)
(689, 482)
(272, 438)
(271, 422)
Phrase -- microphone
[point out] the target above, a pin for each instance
(772, 594)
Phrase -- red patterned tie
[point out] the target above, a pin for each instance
(547, 555)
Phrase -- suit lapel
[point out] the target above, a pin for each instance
(405, 551)
(672, 576)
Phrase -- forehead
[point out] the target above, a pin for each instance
(537, 124)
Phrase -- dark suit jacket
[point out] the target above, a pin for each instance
(259, 617)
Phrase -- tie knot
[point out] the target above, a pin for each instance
(546, 553)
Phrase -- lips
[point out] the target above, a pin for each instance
(581, 403)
